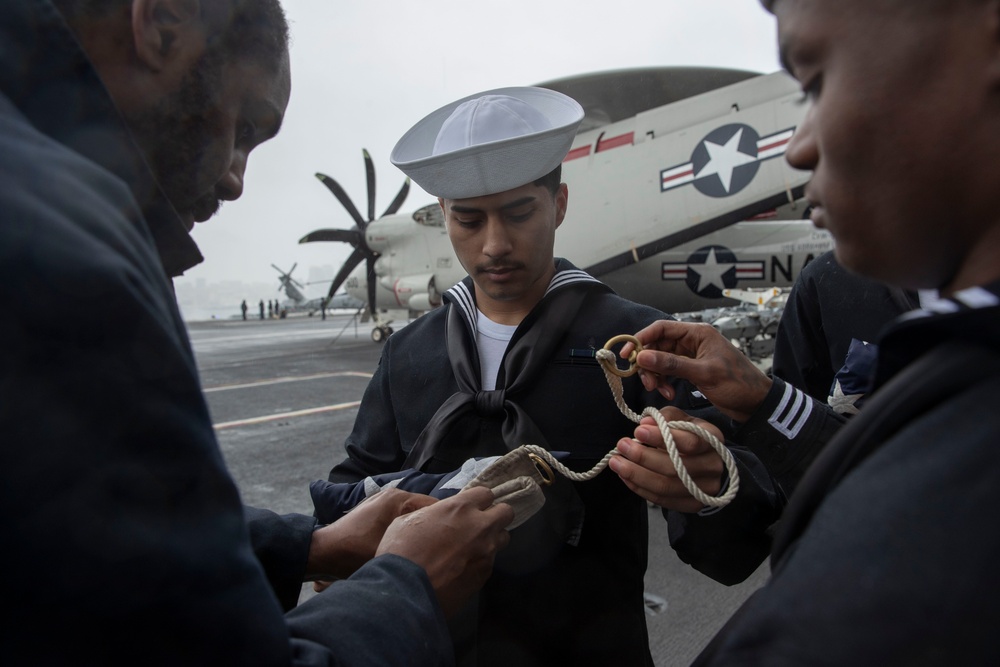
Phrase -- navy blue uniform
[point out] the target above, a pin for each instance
(886, 551)
(125, 541)
(561, 601)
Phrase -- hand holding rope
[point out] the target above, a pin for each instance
(614, 374)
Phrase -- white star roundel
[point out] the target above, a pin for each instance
(711, 269)
(730, 154)
(726, 160)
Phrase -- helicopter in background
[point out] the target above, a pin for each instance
(297, 301)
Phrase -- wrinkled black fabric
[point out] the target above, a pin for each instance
(125, 540)
(827, 308)
(584, 603)
(528, 353)
(886, 553)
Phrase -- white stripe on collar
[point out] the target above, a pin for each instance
(970, 298)
(977, 297)
(929, 297)
(462, 296)
(570, 276)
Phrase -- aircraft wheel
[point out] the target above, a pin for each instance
(388, 331)
(378, 335)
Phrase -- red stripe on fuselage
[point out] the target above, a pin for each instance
(615, 142)
(761, 149)
(602, 145)
(582, 151)
(689, 172)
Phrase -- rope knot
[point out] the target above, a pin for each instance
(490, 403)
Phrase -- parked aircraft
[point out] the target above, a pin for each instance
(675, 195)
(298, 302)
(291, 286)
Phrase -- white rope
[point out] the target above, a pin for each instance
(566, 472)
(607, 361)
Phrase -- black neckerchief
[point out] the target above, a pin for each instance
(459, 419)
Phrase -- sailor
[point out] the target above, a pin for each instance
(509, 360)
(886, 551)
(121, 124)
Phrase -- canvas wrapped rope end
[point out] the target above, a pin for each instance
(516, 478)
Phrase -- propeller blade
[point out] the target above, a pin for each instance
(293, 268)
(371, 283)
(400, 198)
(352, 236)
(370, 175)
(338, 192)
(278, 270)
(345, 271)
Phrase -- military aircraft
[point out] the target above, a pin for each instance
(676, 193)
(297, 301)
(290, 285)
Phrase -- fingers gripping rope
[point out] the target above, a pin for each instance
(613, 374)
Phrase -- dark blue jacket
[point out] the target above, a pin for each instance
(582, 604)
(827, 308)
(886, 553)
(124, 537)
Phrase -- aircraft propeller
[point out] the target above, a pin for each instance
(356, 236)
(286, 278)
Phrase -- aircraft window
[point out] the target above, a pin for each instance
(430, 216)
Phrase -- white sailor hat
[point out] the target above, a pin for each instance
(490, 142)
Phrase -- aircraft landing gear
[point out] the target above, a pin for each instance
(379, 334)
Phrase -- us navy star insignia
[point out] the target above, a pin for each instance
(732, 153)
(724, 159)
(711, 272)
(843, 403)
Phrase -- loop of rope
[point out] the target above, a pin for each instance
(607, 360)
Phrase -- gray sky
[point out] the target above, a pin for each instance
(364, 71)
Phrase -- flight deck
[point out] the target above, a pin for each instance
(283, 395)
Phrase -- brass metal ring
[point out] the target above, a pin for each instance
(548, 477)
(632, 368)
